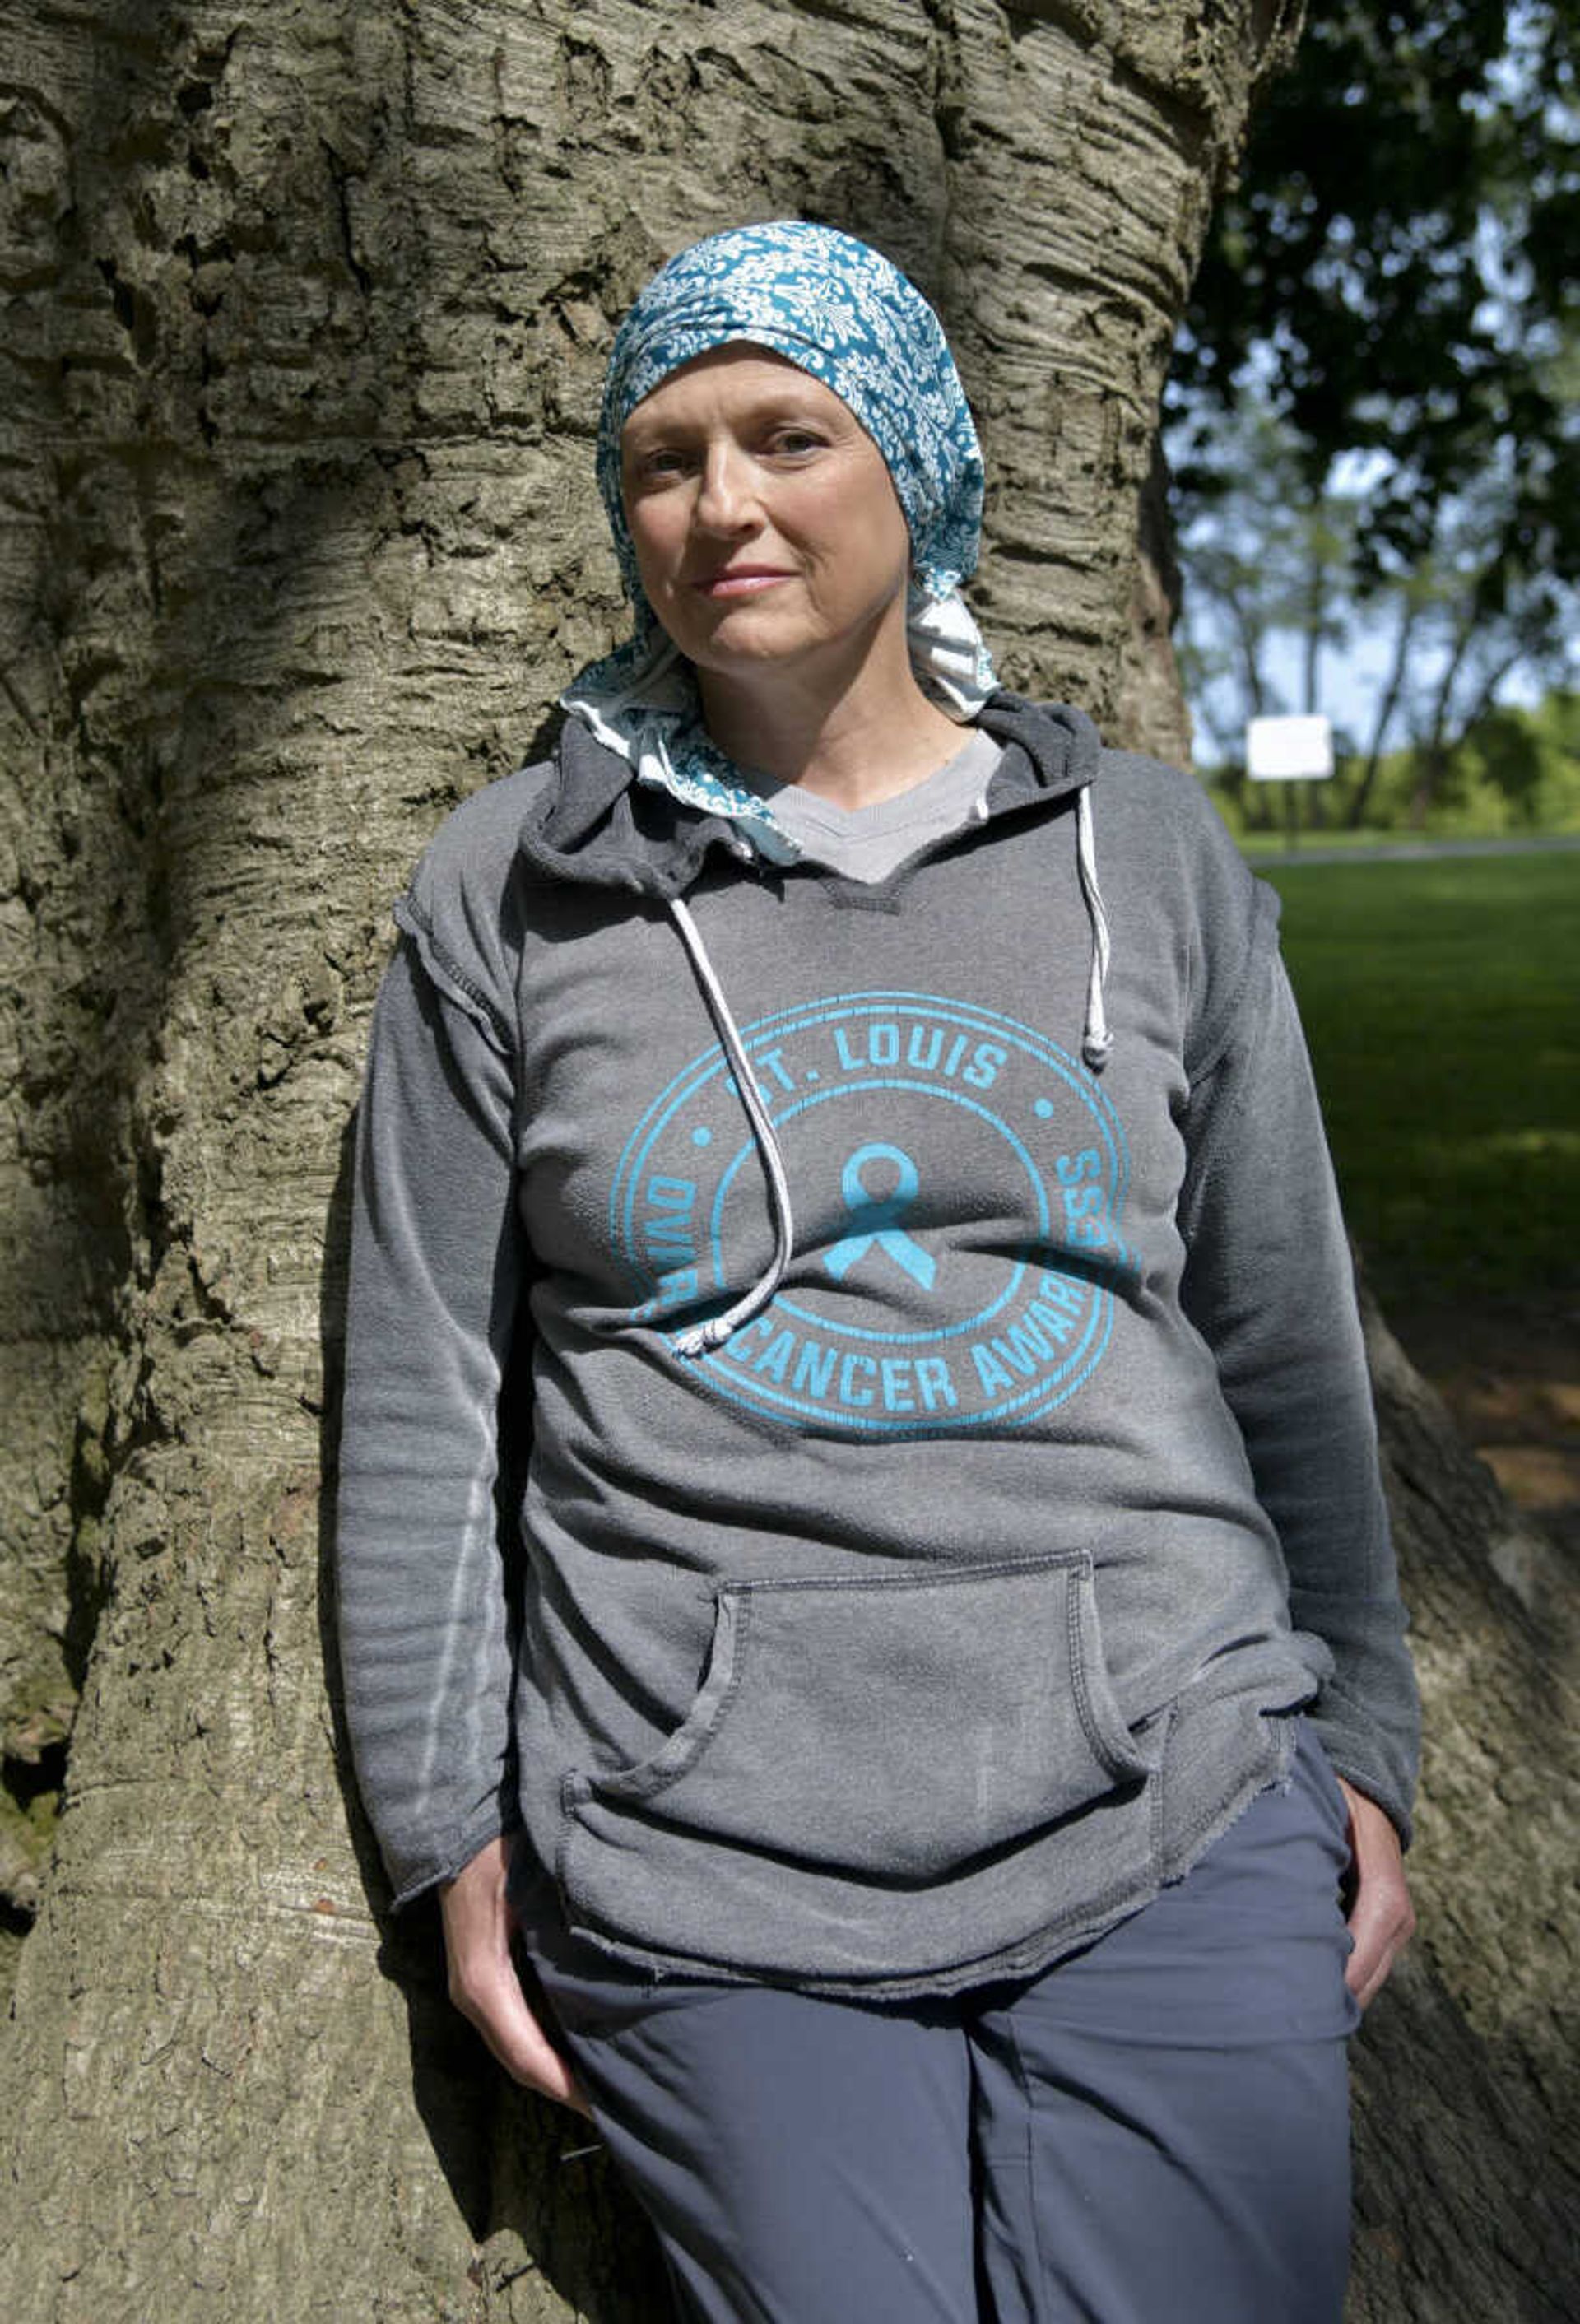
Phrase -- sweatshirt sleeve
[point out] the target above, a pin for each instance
(437, 1268)
(1269, 1285)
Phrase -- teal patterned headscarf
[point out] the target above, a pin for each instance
(842, 312)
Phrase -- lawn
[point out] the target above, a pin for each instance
(1442, 1004)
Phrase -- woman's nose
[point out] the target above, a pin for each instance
(725, 498)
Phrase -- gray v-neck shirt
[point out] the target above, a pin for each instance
(867, 843)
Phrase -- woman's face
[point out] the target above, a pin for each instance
(766, 527)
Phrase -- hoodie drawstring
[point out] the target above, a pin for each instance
(1096, 1042)
(704, 1337)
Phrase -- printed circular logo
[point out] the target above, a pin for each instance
(958, 1183)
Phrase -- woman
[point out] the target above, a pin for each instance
(954, 1563)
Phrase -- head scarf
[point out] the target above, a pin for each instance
(842, 312)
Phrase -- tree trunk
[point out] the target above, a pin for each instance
(1431, 751)
(1468, 2151)
(307, 314)
(1393, 685)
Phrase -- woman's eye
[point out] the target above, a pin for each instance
(658, 466)
(793, 440)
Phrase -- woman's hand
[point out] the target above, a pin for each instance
(483, 1980)
(1381, 1917)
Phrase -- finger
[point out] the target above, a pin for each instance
(1380, 1925)
(521, 2045)
(1373, 1973)
(1371, 1931)
(1380, 1917)
(538, 2066)
(1366, 1972)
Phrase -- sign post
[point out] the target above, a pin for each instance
(1288, 750)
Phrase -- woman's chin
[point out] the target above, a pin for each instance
(742, 643)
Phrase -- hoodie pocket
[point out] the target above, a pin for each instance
(895, 1728)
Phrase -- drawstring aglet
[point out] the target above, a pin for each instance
(703, 1338)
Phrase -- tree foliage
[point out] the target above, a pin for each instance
(1386, 329)
(1397, 268)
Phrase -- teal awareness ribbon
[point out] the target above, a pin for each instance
(878, 1217)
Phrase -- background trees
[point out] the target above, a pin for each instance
(305, 316)
(1389, 300)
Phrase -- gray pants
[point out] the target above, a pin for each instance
(1152, 2132)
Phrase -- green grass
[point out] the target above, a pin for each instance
(1442, 1004)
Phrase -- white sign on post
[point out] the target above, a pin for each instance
(1289, 749)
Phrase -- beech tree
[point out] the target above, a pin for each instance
(306, 315)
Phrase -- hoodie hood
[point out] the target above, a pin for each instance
(595, 825)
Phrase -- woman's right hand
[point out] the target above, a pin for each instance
(479, 1924)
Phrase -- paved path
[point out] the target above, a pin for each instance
(1417, 850)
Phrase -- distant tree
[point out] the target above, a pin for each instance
(1268, 569)
(1531, 759)
(1509, 748)
(1278, 584)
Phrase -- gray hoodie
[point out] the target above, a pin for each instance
(951, 1455)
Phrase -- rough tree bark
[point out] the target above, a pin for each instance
(306, 313)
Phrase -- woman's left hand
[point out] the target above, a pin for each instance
(1381, 1915)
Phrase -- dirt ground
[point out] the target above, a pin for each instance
(1511, 1375)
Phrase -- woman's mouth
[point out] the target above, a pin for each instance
(740, 580)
